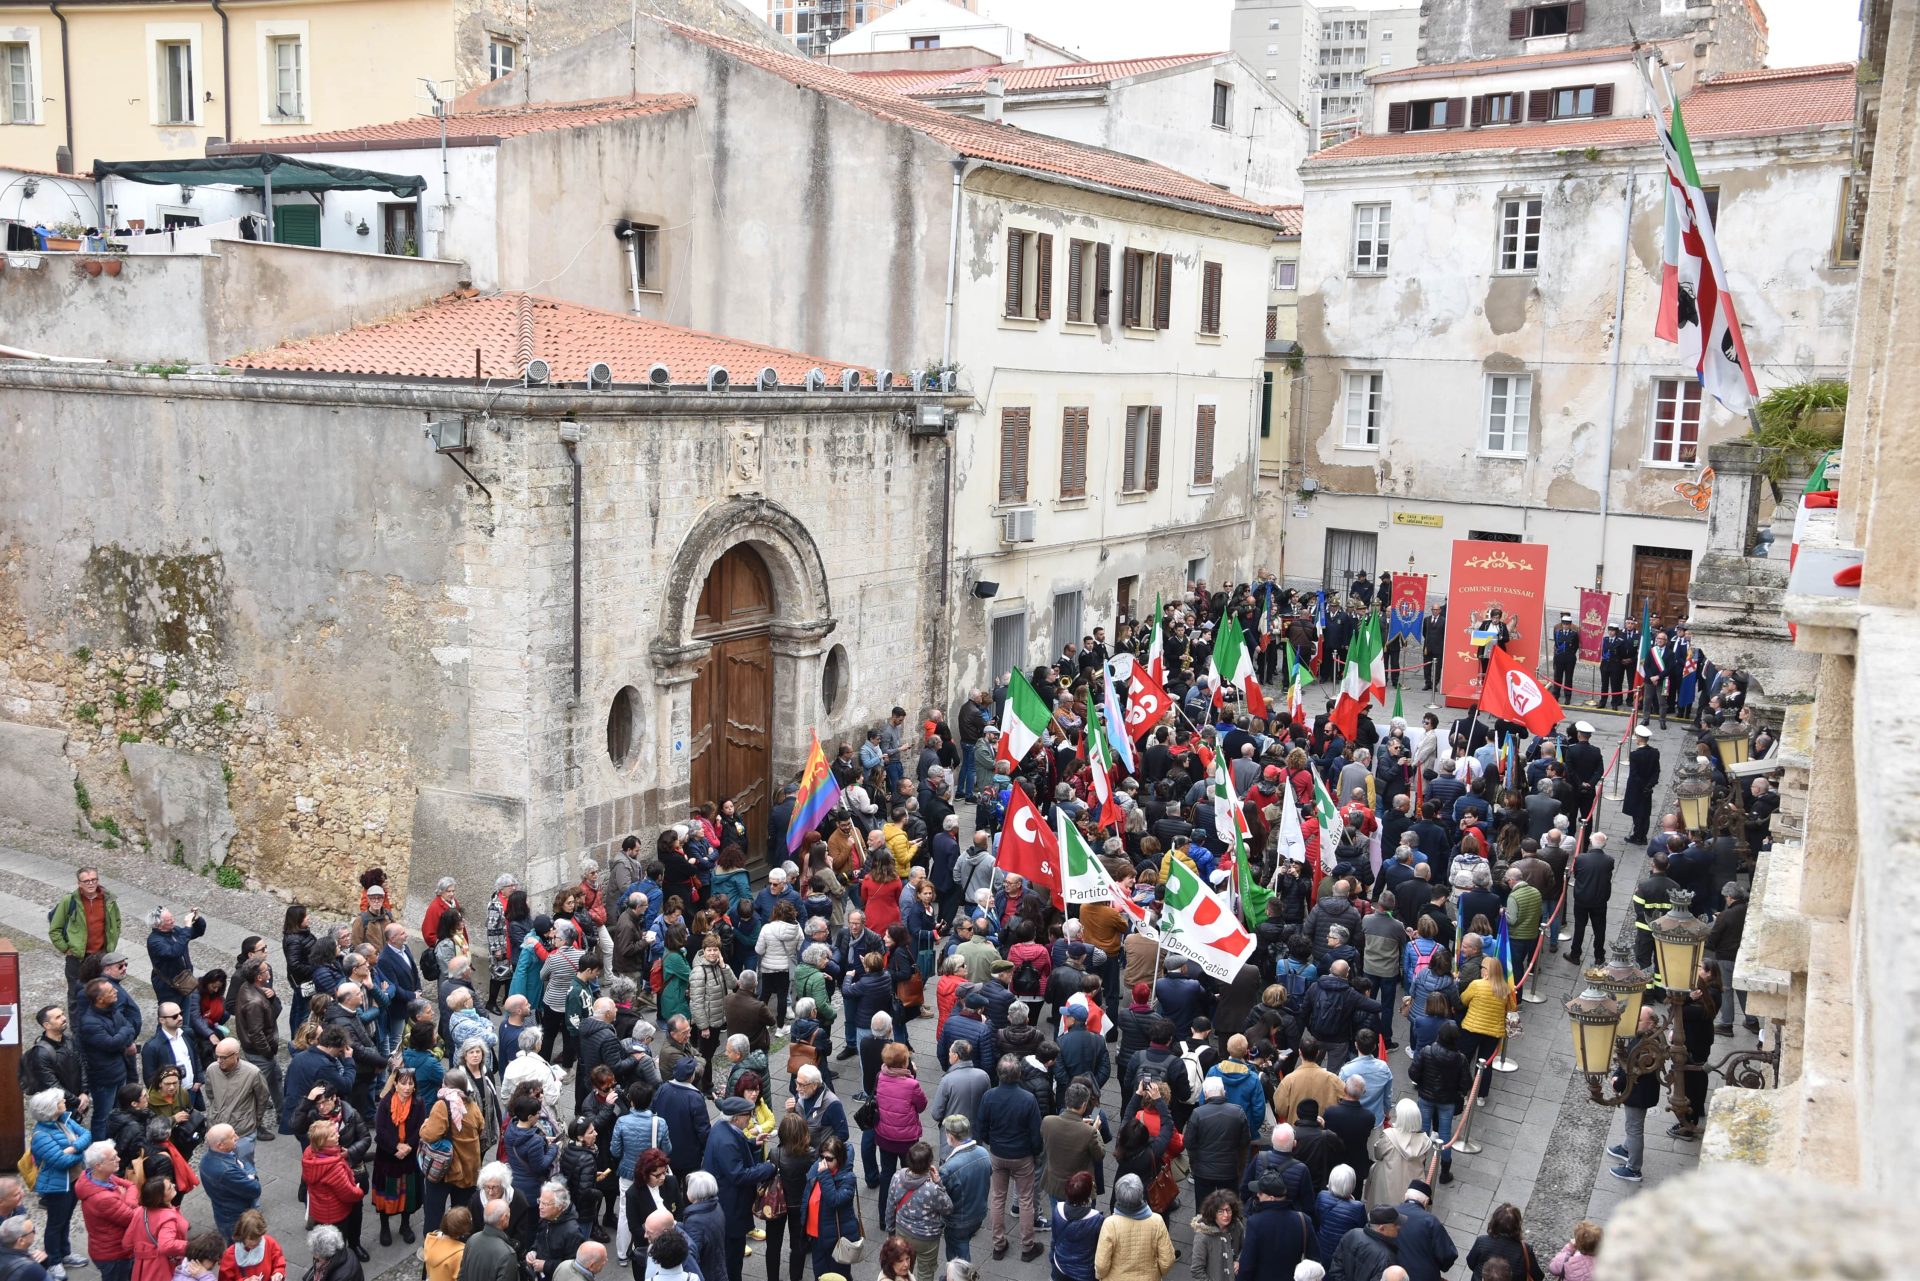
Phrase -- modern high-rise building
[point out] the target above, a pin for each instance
(812, 25)
(1319, 55)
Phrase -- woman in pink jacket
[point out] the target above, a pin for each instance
(898, 1098)
(156, 1236)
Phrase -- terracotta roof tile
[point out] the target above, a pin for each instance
(907, 81)
(438, 341)
(45, 173)
(1745, 104)
(1514, 62)
(476, 125)
(979, 140)
(1074, 75)
(1292, 218)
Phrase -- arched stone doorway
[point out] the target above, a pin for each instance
(743, 637)
(731, 704)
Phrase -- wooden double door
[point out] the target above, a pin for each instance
(1661, 578)
(730, 748)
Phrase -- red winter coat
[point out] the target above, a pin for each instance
(272, 1260)
(331, 1191)
(107, 1209)
(156, 1241)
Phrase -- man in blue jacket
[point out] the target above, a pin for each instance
(106, 1029)
(329, 1061)
(232, 1184)
(969, 1023)
(1010, 1127)
(734, 1164)
(395, 964)
(1426, 1249)
(1278, 1235)
(1179, 995)
(1244, 1088)
(681, 1105)
(965, 1174)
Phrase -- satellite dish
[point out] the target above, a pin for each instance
(768, 379)
(659, 375)
(718, 379)
(538, 373)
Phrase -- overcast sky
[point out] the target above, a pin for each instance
(1799, 31)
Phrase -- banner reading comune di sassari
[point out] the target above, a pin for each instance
(1486, 575)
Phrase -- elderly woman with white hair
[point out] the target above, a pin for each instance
(59, 1146)
(332, 1260)
(530, 1065)
(1337, 1211)
(1400, 1155)
(1134, 1245)
(523, 1215)
(499, 943)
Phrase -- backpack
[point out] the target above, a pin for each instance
(1026, 979)
(1293, 977)
(1190, 1059)
(1421, 960)
(657, 977)
(430, 965)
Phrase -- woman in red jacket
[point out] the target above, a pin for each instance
(108, 1204)
(333, 1194)
(156, 1235)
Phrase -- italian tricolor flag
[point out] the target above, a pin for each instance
(1027, 719)
(1233, 665)
(1230, 824)
(1327, 815)
(1822, 492)
(1365, 664)
(1157, 645)
(1086, 879)
(1293, 840)
(1100, 762)
(1198, 924)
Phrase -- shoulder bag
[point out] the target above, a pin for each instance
(852, 1250)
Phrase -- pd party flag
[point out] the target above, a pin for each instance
(1197, 924)
(817, 796)
(1085, 878)
(1100, 764)
(1511, 694)
(1027, 720)
(1027, 847)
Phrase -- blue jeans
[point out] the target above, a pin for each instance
(963, 786)
(960, 1244)
(870, 1157)
(1438, 1118)
(1551, 928)
(59, 1208)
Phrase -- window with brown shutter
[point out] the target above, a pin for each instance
(1130, 271)
(1603, 100)
(1519, 22)
(1397, 118)
(1014, 426)
(1077, 279)
(1043, 276)
(1163, 291)
(1153, 449)
(1540, 104)
(1073, 452)
(1102, 284)
(1130, 479)
(1210, 298)
(1576, 17)
(1016, 272)
(1203, 445)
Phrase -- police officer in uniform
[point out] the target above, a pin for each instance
(1566, 653)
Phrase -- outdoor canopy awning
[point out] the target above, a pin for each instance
(262, 170)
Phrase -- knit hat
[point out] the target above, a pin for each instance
(1383, 1214)
(684, 1068)
(1420, 1188)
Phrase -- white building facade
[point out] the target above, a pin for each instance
(1319, 55)
(1477, 315)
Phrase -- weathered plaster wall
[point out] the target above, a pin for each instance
(1451, 31)
(1441, 319)
(196, 308)
(1088, 544)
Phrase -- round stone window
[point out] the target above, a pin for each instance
(835, 681)
(623, 721)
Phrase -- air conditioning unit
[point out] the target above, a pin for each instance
(1017, 526)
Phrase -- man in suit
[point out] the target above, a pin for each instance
(1340, 628)
(1653, 673)
(1433, 642)
(1643, 775)
(395, 964)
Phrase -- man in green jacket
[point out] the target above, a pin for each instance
(84, 923)
(1523, 927)
(810, 979)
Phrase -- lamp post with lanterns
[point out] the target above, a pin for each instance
(1605, 1020)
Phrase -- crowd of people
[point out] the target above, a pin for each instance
(663, 1068)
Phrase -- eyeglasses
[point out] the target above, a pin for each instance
(171, 1018)
(89, 880)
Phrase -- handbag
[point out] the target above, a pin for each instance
(29, 1169)
(852, 1251)
(436, 1158)
(183, 982)
(771, 1204)
(800, 1055)
(1162, 1192)
(911, 992)
(866, 1116)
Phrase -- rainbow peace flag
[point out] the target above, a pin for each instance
(818, 794)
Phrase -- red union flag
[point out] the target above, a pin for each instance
(1594, 608)
(1027, 847)
(1512, 694)
(1147, 702)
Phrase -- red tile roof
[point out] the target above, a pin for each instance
(1744, 104)
(1002, 144)
(45, 173)
(1019, 78)
(475, 126)
(438, 341)
(1516, 62)
(1293, 218)
(907, 81)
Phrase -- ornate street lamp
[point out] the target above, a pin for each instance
(1695, 797)
(1625, 984)
(1679, 938)
(1596, 1019)
(1731, 742)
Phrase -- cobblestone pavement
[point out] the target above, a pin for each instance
(1542, 1139)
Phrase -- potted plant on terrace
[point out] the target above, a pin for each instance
(1798, 423)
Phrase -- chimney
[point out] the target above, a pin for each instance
(995, 92)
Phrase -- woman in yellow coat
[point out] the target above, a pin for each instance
(1485, 1025)
(1134, 1245)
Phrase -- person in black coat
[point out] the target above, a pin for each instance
(54, 1061)
(1505, 1239)
(1426, 1247)
(1352, 1123)
(1643, 776)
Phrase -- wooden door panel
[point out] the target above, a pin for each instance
(744, 726)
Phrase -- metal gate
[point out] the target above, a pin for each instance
(1350, 553)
